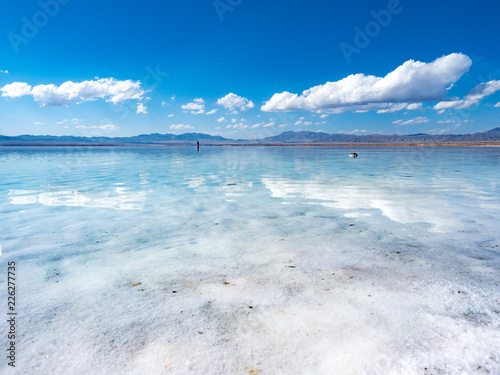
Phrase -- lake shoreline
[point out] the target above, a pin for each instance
(451, 144)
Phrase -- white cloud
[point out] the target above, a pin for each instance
(414, 81)
(222, 119)
(39, 123)
(171, 115)
(474, 96)
(414, 106)
(324, 115)
(237, 126)
(172, 98)
(211, 112)
(141, 108)
(233, 120)
(16, 90)
(302, 122)
(197, 107)
(233, 101)
(282, 125)
(101, 127)
(164, 104)
(393, 108)
(497, 105)
(181, 127)
(416, 120)
(70, 92)
(4, 71)
(112, 90)
(263, 125)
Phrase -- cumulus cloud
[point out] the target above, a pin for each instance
(212, 111)
(181, 127)
(497, 105)
(414, 106)
(416, 120)
(110, 89)
(197, 107)
(73, 120)
(171, 115)
(263, 125)
(391, 108)
(141, 108)
(222, 119)
(4, 71)
(233, 101)
(474, 96)
(414, 81)
(16, 90)
(237, 126)
(302, 122)
(69, 92)
(101, 127)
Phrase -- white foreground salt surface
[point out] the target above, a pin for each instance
(253, 260)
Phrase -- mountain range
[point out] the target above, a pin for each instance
(289, 137)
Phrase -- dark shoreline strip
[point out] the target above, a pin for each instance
(451, 144)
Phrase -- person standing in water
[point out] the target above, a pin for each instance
(197, 145)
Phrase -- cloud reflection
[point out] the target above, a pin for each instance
(400, 203)
(120, 198)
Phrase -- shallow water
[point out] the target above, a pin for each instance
(265, 260)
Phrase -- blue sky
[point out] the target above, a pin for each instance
(249, 69)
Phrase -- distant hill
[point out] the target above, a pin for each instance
(187, 138)
(492, 135)
(289, 137)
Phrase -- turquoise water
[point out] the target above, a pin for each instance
(277, 260)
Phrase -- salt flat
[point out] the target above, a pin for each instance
(264, 260)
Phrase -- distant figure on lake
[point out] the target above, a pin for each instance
(353, 155)
(197, 144)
